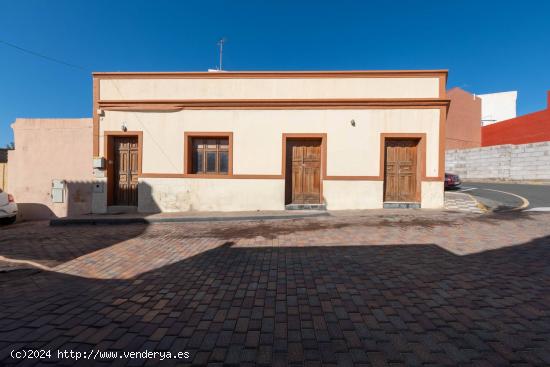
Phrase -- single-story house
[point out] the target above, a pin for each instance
(229, 141)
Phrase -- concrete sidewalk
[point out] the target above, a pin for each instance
(185, 217)
(464, 204)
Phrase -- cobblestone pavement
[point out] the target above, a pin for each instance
(462, 202)
(430, 289)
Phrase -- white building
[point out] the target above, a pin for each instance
(496, 107)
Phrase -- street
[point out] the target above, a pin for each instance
(508, 196)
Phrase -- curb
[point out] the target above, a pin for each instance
(479, 204)
(525, 202)
(118, 221)
(507, 182)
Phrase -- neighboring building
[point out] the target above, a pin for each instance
(531, 128)
(496, 107)
(4, 155)
(3, 168)
(463, 127)
(50, 173)
(232, 141)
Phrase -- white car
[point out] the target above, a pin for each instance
(8, 208)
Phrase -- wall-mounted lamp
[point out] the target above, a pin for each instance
(123, 127)
(352, 122)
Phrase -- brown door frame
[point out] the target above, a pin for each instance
(420, 158)
(109, 154)
(307, 136)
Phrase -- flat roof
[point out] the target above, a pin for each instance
(272, 74)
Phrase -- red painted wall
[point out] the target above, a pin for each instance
(530, 128)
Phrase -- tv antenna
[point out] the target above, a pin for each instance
(220, 44)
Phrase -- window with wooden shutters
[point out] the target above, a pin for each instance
(210, 155)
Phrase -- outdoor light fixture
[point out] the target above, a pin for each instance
(352, 122)
(123, 127)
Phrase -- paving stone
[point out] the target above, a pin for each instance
(405, 289)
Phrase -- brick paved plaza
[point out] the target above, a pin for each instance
(430, 289)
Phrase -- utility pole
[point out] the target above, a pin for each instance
(220, 43)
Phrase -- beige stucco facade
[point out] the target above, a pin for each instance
(261, 130)
(190, 194)
(268, 88)
(48, 150)
(353, 111)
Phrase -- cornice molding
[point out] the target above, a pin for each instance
(177, 105)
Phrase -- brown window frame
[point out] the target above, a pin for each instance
(204, 148)
(189, 137)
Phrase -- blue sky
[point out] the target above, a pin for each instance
(488, 46)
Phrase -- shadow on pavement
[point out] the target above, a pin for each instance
(498, 216)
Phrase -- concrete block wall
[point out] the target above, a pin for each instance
(505, 162)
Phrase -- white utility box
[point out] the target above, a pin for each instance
(58, 189)
(99, 162)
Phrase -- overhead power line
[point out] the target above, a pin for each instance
(37, 54)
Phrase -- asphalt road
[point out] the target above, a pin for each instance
(504, 196)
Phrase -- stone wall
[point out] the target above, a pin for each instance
(505, 162)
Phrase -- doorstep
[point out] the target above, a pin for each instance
(401, 205)
(305, 207)
(183, 217)
(122, 209)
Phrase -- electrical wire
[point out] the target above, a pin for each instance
(34, 53)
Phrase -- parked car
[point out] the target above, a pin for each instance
(8, 208)
(452, 181)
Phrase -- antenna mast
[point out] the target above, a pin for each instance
(220, 43)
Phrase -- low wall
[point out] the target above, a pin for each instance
(504, 162)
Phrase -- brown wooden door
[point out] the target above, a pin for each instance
(400, 181)
(304, 171)
(126, 171)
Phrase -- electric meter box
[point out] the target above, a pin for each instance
(99, 162)
(58, 188)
